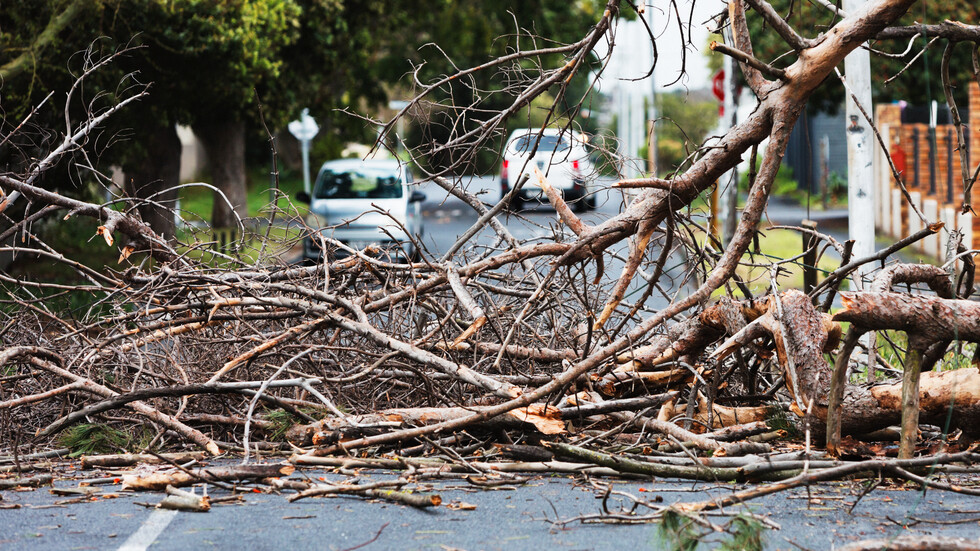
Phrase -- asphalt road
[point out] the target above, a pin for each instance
(446, 218)
(504, 519)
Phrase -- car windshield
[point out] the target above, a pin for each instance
(359, 183)
(524, 144)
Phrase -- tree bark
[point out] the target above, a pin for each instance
(224, 143)
(930, 318)
(547, 419)
(159, 481)
(155, 177)
(865, 409)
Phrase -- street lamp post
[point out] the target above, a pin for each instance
(304, 130)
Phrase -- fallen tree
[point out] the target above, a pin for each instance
(513, 343)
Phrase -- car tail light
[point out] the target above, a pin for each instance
(575, 165)
(503, 171)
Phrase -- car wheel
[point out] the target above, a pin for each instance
(517, 204)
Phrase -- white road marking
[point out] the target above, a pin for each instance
(148, 532)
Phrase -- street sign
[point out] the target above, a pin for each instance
(305, 129)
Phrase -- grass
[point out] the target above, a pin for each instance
(785, 185)
(774, 247)
(206, 245)
(892, 346)
(196, 201)
(75, 239)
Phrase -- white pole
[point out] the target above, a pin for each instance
(622, 129)
(728, 191)
(652, 108)
(638, 124)
(860, 152)
(306, 165)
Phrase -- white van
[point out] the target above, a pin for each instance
(560, 154)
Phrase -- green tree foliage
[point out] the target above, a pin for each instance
(466, 34)
(920, 84)
(212, 64)
(686, 119)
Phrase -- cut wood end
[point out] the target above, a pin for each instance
(124, 254)
(546, 419)
(935, 227)
(604, 316)
(212, 448)
(542, 180)
(473, 328)
(833, 330)
(106, 234)
(847, 301)
(287, 470)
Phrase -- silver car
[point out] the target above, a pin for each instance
(364, 202)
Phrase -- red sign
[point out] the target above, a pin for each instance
(718, 85)
(898, 157)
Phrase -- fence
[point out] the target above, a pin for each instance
(928, 159)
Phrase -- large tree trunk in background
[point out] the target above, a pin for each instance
(224, 142)
(155, 178)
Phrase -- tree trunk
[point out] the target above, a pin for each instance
(224, 142)
(865, 409)
(931, 319)
(155, 177)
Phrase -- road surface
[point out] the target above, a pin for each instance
(518, 518)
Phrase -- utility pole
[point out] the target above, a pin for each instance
(860, 152)
(728, 183)
(620, 96)
(638, 128)
(652, 109)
